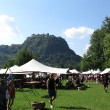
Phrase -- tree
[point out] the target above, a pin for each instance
(95, 56)
(84, 65)
(23, 56)
(106, 24)
(107, 50)
(96, 49)
(9, 63)
(98, 53)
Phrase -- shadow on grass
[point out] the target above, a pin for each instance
(74, 108)
(45, 96)
(23, 90)
(82, 87)
(47, 109)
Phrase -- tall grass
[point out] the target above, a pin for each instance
(93, 98)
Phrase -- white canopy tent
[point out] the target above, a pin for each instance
(107, 70)
(74, 71)
(88, 72)
(11, 70)
(96, 71)
(2, 71)
(35, 66)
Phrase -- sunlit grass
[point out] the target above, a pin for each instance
(93, 98)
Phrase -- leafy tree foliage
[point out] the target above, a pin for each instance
(106, 25)
(96, 49)
(85, 63)
(107, 50)
(23, 56)
(99, 51)
(9, 63)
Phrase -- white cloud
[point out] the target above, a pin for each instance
(9, 32)
(80, 32)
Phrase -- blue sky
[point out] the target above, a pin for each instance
(74, 20)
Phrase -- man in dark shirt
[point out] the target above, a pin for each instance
(105, 82)
(51, 87)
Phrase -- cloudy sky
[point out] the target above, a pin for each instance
(74, 20)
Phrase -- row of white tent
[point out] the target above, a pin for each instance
(107, 70)
(35, 66)
(92, 72)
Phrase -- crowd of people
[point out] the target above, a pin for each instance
(7, 86)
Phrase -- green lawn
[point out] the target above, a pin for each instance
(93, 98)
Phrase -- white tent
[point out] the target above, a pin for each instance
(96, 71)
(107, 70)
(2, 71)
(74, 71)
(88, 72)
(9, 70)
(35, 66)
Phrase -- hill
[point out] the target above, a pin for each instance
(49, 50)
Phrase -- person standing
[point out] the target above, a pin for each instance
(51, 87)
(3, 88)
(11, 89)
(105, 82)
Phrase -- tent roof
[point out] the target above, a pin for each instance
(74, 71)
(35, 66)
(2, 71)
(96, 71)
(87, 72)
(9, 70)
(107, 70)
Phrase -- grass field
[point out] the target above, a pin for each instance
(93, 98)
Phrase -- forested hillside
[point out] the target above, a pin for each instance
(48, 49)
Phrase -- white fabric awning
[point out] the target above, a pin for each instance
(12, 70)
(35, 66)
(9, 70)
(74, 71)
(2, 71)
(96, 71)
(87, 72)
(107, 70)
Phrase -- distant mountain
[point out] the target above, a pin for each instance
(49, 50)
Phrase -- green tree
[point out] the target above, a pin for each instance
(107, 50)
(9, 63)
(86, 62)
(95, 55)
(23, 56)
(98, 52)
(106, 25)
(96, 49)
